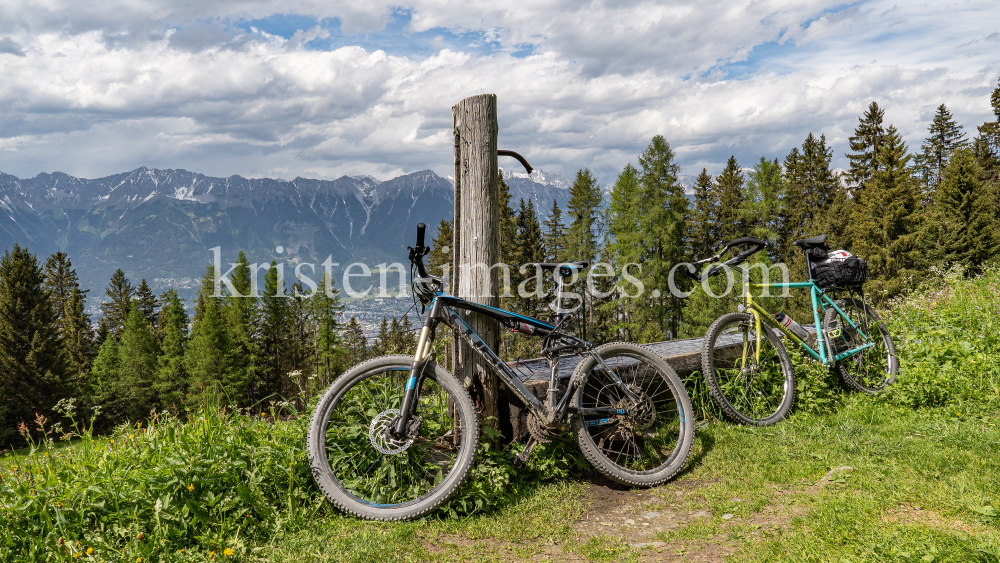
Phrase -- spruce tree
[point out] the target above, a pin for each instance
(107, 386)
(508, 225)
(585, 197)
(355, 342)
(961, 229)
(762, 200)
(865, 145)
(383, 340)
(138, 356)
(147, 303)
(729, 194)
(275, 324)
(329, 353)
(208, 359)
(114, 312)
(885, 219)
(626, 249)
(810, 187)
(241, 316)
(555, 234)
(70, 303)
(987, 142)
(439, 261)
(530, 250)
(703, 226)
(171, 382)
(945, 137)
(32, 360)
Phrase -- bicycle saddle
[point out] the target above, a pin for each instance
(811, 242)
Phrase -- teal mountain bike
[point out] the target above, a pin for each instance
(745, 365)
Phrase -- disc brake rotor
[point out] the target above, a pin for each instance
(378, 434)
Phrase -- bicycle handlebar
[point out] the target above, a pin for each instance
(758, 245)
(418, 252)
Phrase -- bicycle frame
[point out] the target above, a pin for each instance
(443, 310)
(819, 297)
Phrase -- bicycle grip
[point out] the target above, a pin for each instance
(420, 234)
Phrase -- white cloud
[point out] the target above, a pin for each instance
(92, 90)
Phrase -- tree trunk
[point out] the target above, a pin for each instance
(477, 242)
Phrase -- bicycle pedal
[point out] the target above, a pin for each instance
(522, 458)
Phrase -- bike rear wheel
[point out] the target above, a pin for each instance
(365, 471)
(646, 444)
(870, 370)
(750, 378)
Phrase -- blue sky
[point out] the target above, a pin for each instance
(320, 89)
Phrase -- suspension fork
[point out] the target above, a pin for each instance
(420, 357)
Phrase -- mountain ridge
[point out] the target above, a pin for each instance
(160, 224)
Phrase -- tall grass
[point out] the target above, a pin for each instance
(948, 339)
(217, 485)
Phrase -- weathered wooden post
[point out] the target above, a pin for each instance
(477, 240)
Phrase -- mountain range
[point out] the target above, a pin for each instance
(160, 225)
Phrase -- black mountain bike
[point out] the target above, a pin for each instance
(395, 436)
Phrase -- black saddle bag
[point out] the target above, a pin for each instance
(833, 273)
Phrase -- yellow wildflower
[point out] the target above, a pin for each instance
(211, 554)
(228, 552)
(191, 487)
(90, 551)
(138, 560)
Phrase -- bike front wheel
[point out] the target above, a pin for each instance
(364, 470)
(748, 373)
(644, 444)
(873, 369)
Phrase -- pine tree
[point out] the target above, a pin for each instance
(703, 226)
(865, 143)
(106, 383)
(946, 137)
(664, 221)
(208, 359)
(171, 376)
(355, 342)
(114, 312)
(885, 219)
(69, 303)
(554, 237)
(762, 201)
(147, 303)
(729, 190)
(138, 355)
(961, 229)
(32, 360)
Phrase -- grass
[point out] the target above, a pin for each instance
(925, 483)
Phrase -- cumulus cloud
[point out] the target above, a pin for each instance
(100, 89)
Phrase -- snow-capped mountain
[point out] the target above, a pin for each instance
(160, 224)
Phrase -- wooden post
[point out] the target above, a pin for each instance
(477, 241)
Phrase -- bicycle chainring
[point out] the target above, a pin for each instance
(541, 431)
